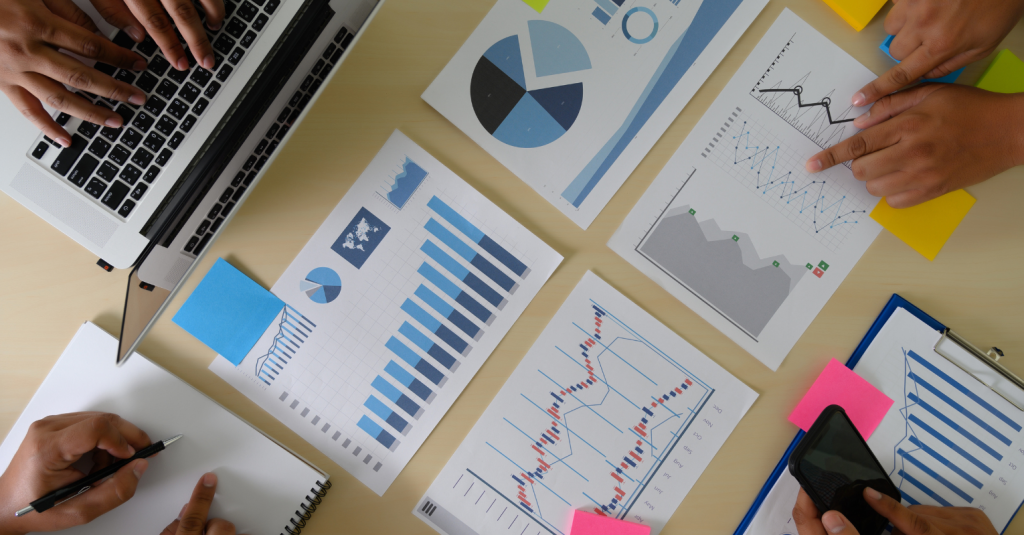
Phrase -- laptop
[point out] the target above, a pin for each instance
(154, 193)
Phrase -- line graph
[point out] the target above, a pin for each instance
(824, 103)
(293, 331)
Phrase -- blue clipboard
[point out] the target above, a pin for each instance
(894, 302)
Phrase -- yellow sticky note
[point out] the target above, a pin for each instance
(1004, 75)
(927, 226)
(537, 5)
(856, 12)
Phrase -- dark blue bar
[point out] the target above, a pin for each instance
(631, 463)
(447, 336)
(949, 443)
(385, 439)
(441, 356)
(397, 422)
(557, 432)
(959, 408)
(431, 373)
(493, 273)
(463, 323)
(502, 255)
(520, 481)
(560, 400)
(527, 507)
(473, 307)
(420, 389)
(408, 405)
(481, 287)
(672, 393)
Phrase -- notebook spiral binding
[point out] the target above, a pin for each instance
(300, 519)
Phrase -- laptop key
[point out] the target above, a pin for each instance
(235, 182)
(147, 82)
(249, 163)
(158, 66)
(126, 208)
(227, 208)
(189, 92)
(177, 76)
(99, 147)
(235, 28)
(188, 123)
(347, 40)
(164, 157)
(216, 224)
(105, 68)
(139, 191)
(167, 89)
(142, 158)
(83, 170)
(131, 138)
(155, 105)
(176, 140)
(123, 40)
(202, 244)
(67, 157)
(166, 125)
(211, 91)
(249, 178)
(125, 77)
(318, 67)
(261, 163)
(151, 174)
(95, 188)
(236, 56)
(143, 121)
(283, 116)
(130, 174)
(203, 227)
(295, 99)
(281, 133)
(200, 106)
(224, 72)
(247, 11)
(40, 150)
(120, 155)
(201, 76)
(178, 109)
(88, 129)
(107, 171)
(341, 35)
(191, 244)
(248, 40)
(113, 197)
(226, 196)
(272, 6)
(261, 147)
(62, 118)
(147, 47)
(304, 102)
(272, 147)
(329, 51)
(335, 57)
(235, 197)
(306, 83)
(272, 131)
(224, 44)
(214, 211)
(260, 22)
(154, 141)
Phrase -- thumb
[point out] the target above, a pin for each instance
(892, 105)
(107, 494)
(835, 522)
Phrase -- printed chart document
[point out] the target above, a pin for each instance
(948, 440)
(733, 225)
(609, 412)
(570, 95)
(390, 309)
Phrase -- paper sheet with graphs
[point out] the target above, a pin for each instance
(390, 309)
(733, 226)
(948, 439)
(609, 412)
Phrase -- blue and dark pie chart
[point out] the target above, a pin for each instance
(322, 285)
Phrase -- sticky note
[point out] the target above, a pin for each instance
(927, 226)
(537, 5)
(590, 524)
(228, 311)
(1004, 75)
(858, 13)
(839, 385)
(947, 79)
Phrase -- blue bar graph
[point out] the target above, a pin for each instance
(959, 408)
(435, 302)
(946, 462)
(452, 290)
(945, 482)
(964, 390)
(406, 379)
(956, 427)
(385, 413)
(378, 433)
(397, 397)
(433, 325)
(426, 344)
(478, 237)
(949, 443)
(465, 251)
(418, 363)
(293, 330)
(924, 489)
(466, 276)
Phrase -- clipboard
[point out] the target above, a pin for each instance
(990, 358)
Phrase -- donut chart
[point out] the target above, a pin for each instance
(322, 285)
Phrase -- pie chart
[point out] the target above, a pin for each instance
(507, 108)
(322, 285)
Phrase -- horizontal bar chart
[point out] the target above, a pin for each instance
(465, 275)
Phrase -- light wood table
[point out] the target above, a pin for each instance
(49, 285)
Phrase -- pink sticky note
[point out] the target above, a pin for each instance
(590, 524)
(839, 385)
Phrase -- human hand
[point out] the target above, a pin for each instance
(926, 141)
(937, 37)
(192, 518)
(916, 520)
(43, 463)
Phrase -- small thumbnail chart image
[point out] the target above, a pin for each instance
(322, 285)
(292, 331)
(403, 183)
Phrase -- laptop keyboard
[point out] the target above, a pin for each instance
(266, 146)
(116, 166)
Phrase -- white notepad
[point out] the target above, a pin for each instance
(262, 484)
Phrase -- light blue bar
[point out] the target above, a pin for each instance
(450, 240)
(455, 218)
(369, 426)
(403, 351)
(607, 6)
(437, 279)
(924, 468)
(399, 373)
(434, 301)
(421, 315)
(443, 258)
(416, 337)
(387, 389)
(379, 408)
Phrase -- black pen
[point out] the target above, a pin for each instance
(60, 496)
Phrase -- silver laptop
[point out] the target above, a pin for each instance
(154, 193)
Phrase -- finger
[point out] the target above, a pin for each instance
(219, 526)
(910, 70)
(214, 13)
(892, 105)
(172, 528)
(835, 522)
(805, 515)
(108, 432)
(891, 184)
(876, 165)
(159, 26)
(76, 39)
(186, 18)
(909, 198)
(100, 460)
(67, 10)
(74, 73)
(108, 494)
(903, 44)
(118, 15)
(952, 64)
(902, 518)
(896, 19)
(33, 110)
(854, 147)
(193, 520)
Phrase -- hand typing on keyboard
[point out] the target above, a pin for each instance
(34, 73)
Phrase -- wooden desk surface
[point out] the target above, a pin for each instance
(49, 285)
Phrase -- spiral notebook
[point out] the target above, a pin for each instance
(264, 488)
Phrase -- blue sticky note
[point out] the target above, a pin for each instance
(947, 79)
(228, 311)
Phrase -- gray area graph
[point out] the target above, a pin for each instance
(722, 268)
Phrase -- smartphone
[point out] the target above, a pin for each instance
(833, 464)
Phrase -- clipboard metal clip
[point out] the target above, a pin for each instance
(990, 358)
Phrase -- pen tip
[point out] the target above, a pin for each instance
(172, 440)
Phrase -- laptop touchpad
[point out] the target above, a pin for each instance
(71, 209)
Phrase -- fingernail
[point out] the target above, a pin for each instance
(210, 480)
(139, 65)
(833, 522)
(859, 99)
(862, 119)
(217, 27)
(208, 61)
(135, 34)
(182, 64)
(113, 122)
(65, 142)
(138, 100)
(182, 512)
(874, 494)
(131, 450)
(813, 165)
(140, 467)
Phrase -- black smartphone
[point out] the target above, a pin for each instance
(833, 464)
